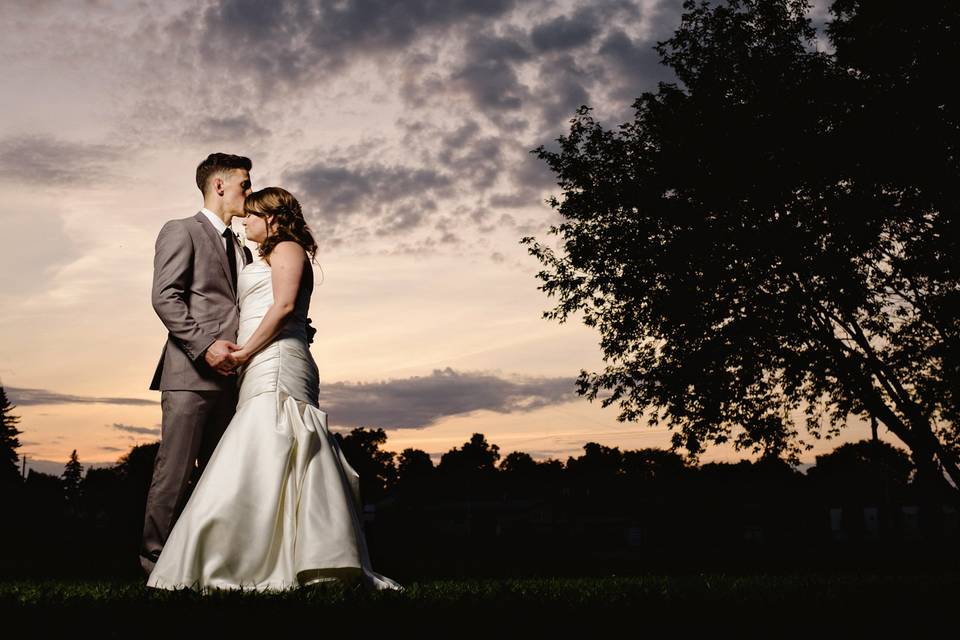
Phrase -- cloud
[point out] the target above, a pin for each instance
(544, 455)
(31, 397)
(418, 402)
(41, 249)
(389, 198)
(365, 188)
(473, 158)
(566, 32)
(820, 16)
(349, 191)
(529, 77)
(153, 431)
(478, 163)
(633, 65)
(488, 75)
(285, 43)
(36, 160)
(494, 66)
(237, 127)
(512, 200)
(529, 176)
(472, 75)
(56, 468)
(563, 88)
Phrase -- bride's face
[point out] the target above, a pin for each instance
(256, 227)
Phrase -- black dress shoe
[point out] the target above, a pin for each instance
(148, 562)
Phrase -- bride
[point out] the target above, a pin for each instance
(278, 506)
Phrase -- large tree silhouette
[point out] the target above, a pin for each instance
(470, 470)
(776, 232)
(9, 443)
(518, 463)
(72, 478)
(377, 471)
(868, 470)
(415, 472)
(476, 455)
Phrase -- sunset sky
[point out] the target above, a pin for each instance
(404, 128)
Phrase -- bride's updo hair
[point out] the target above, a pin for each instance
(285, 210)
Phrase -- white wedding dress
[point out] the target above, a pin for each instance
(278, 505)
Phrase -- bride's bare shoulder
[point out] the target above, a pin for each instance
(287, 252)
(289, 248)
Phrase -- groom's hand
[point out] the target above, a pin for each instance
(217, 356)
(232, 361)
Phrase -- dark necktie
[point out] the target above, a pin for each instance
(231, 256)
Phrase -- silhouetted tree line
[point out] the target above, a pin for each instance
(476, 511)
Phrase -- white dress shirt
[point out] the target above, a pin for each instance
(220, 227)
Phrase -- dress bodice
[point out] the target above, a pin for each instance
(255, 296)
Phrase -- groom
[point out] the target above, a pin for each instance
(195, 270)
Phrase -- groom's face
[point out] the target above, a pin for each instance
(236, 188)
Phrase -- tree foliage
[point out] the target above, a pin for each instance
(9, 443)
(362, 448)
(415, 472)
(866, 467)
(776, 232)
(471, 469)
(518, 462)
(475, 456)
(414, 463)
(72, 479)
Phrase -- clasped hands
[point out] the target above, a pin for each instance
(224, 357)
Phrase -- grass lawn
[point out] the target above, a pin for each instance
(772, 605)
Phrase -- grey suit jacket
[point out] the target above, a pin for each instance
(195, 299)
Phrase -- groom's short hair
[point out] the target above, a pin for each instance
(216, 163)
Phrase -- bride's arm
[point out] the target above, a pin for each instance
(286, 262)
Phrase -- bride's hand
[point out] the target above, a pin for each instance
(239, 357)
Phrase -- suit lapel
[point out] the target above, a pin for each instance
(211, 234)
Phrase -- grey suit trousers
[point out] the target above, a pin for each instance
(193, 422)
